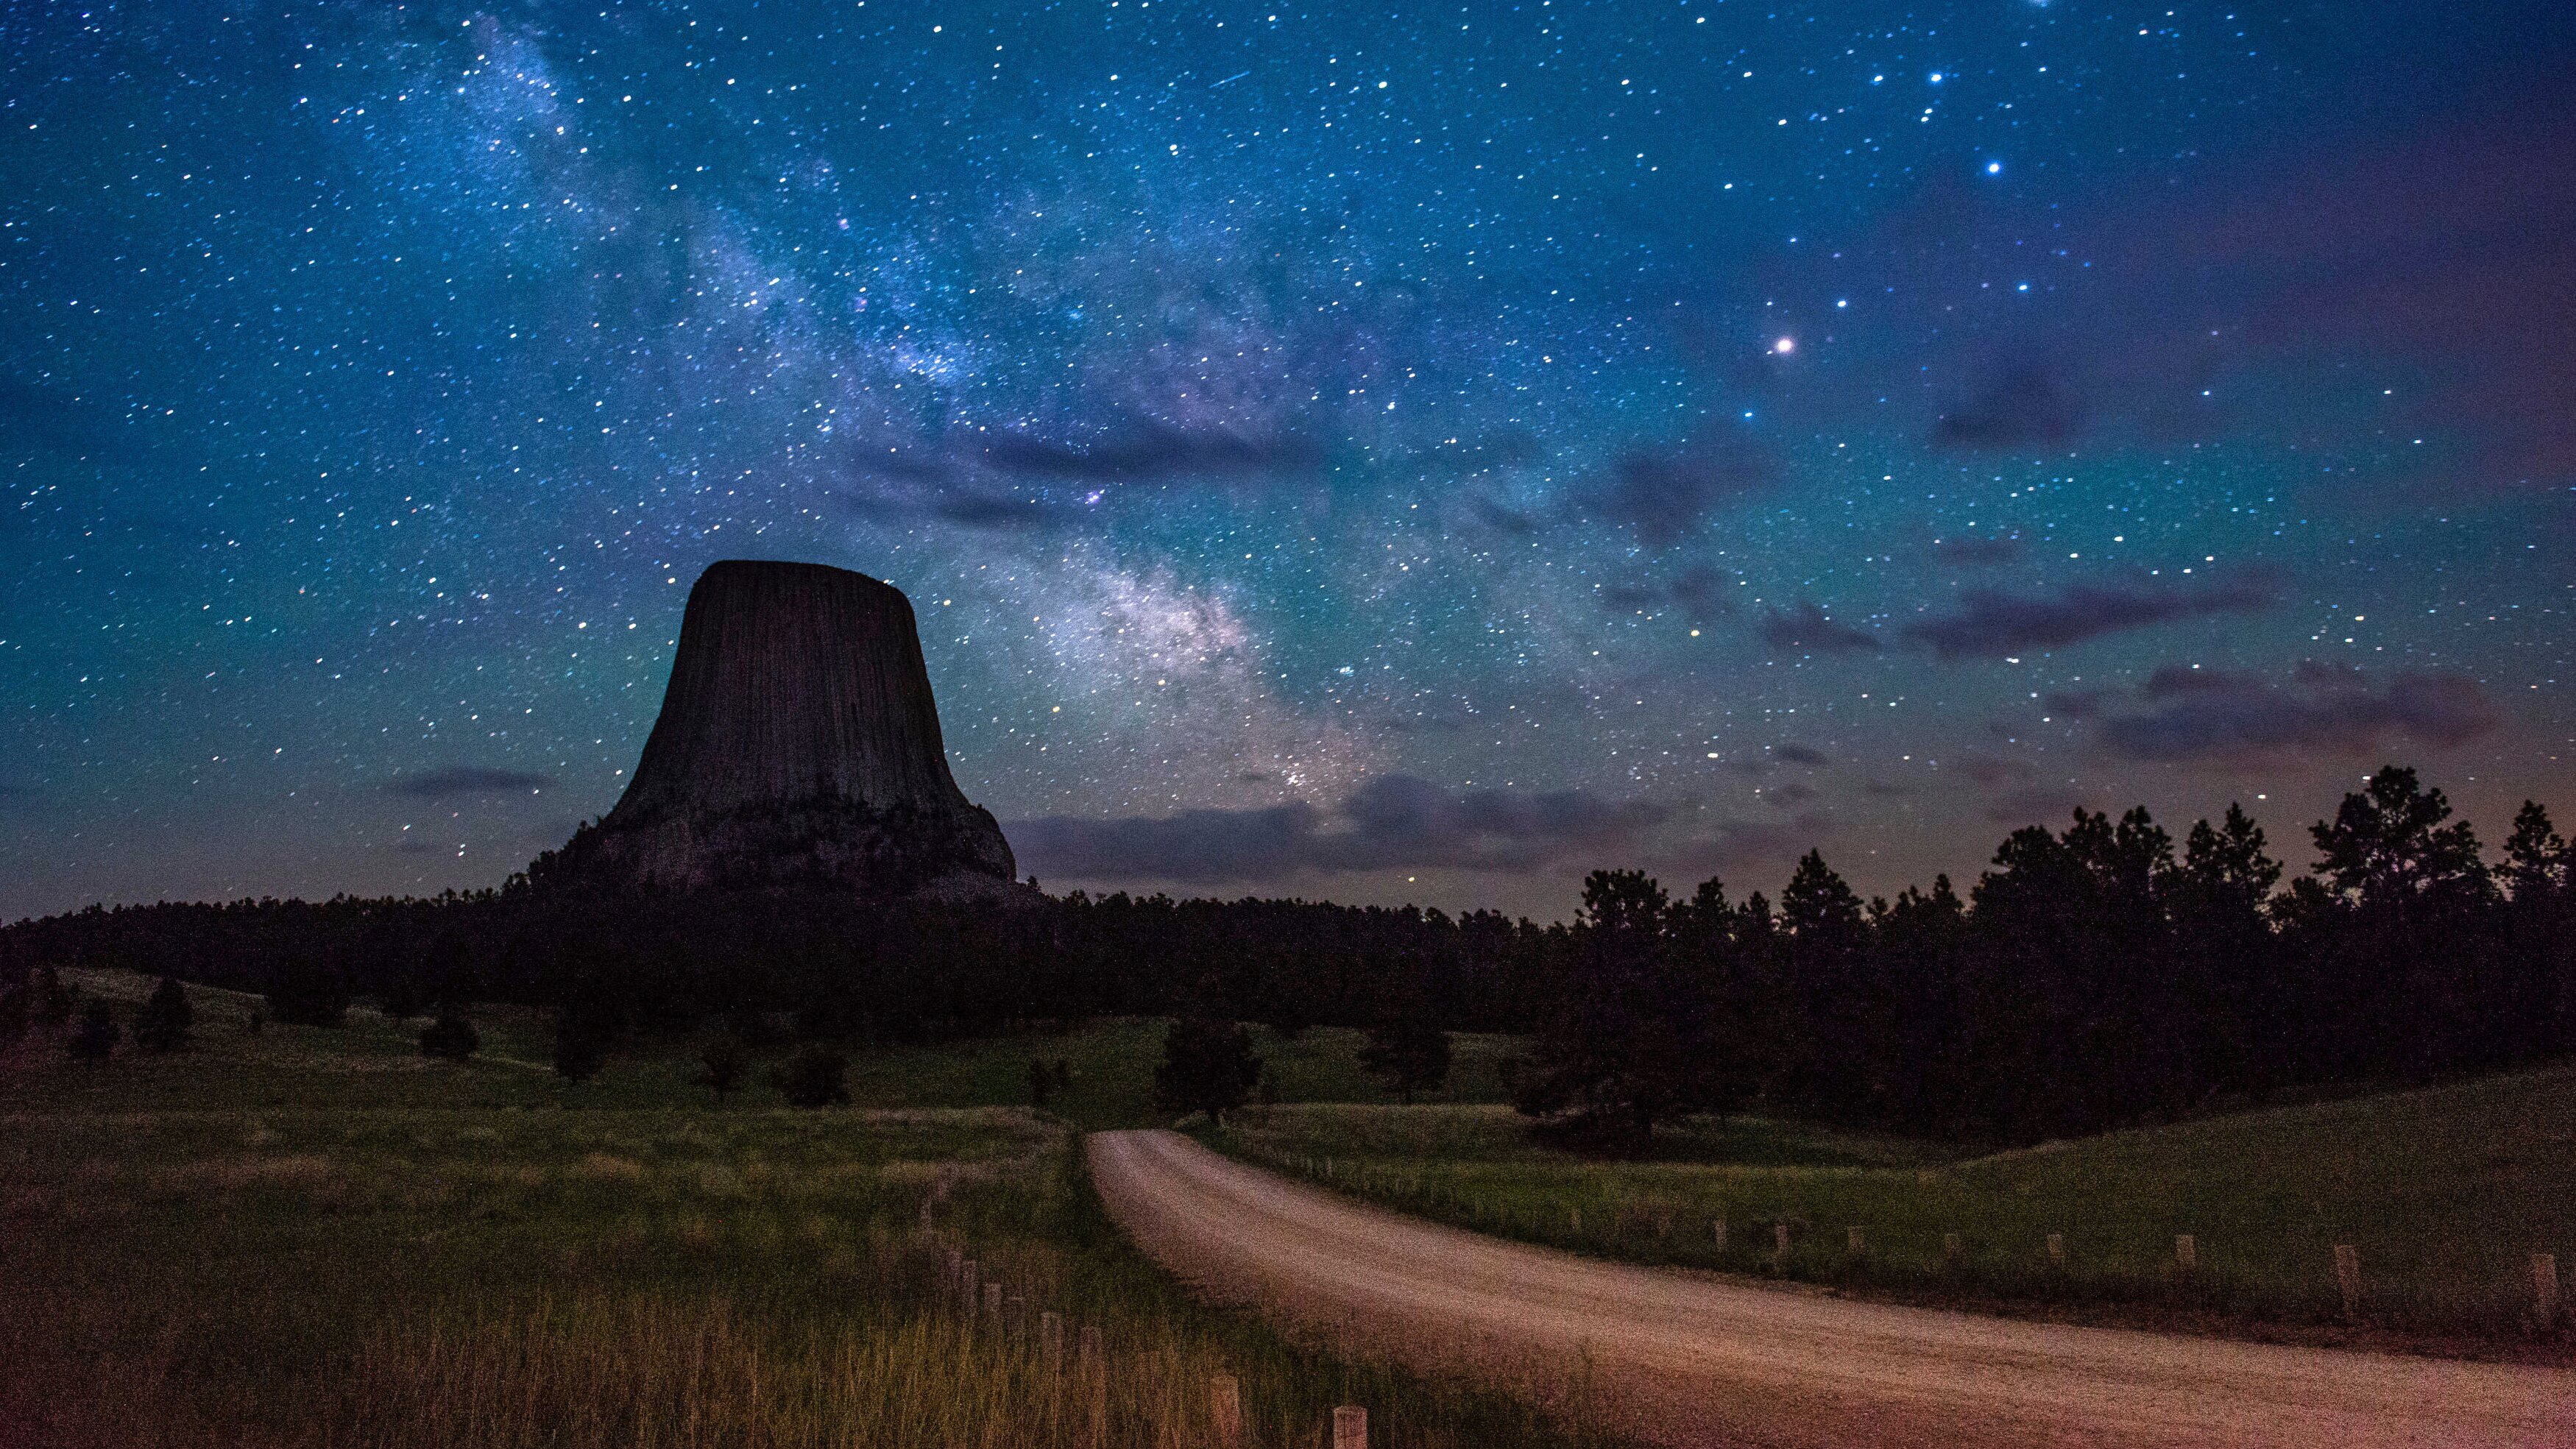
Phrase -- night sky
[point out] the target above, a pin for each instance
(1395, 452)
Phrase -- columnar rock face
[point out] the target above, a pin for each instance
(798, 745)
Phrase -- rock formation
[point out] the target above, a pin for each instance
(798, 746)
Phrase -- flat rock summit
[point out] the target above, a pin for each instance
(798, 747)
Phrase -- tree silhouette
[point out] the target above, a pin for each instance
(1407, 1049)
(95, 1038)
(1208, 1066)
(816, 1077)
(163, 1023)
(722, 1063)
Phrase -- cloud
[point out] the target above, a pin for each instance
(1806, 627)
(1801, 755)
(1664, 494)
(2208, 714)
(1977, 551)
(2026, 406)
(1149, 453)
(1997, 622)
(457, 782)
(1390, 821)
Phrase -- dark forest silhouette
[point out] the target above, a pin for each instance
(2091, 977)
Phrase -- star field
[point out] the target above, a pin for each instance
(1374, 452)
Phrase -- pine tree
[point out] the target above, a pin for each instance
(581, 1049)
(1407, 1048)
(1208, 1066)
(163, 1023)
(53, 1000)
(95, 1039)
(722, 1063)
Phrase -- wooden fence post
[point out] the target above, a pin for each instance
(993, 1305)
(2057, 1250)
(2348, 1278)
(1225, 1411)
(1852, 1243)
(1718, 1226)
(1051, 1339)
(1350, 1427)
(2544, 1288)
(1779, 1247)
(966, 1284)
(2186, 1252)
(1953, 1248)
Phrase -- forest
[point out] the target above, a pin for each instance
(2090, 977)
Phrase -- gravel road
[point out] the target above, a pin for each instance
(1691, 1359)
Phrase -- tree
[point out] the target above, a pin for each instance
(306, 992)
(816, 1077)
(53, 1000)
(722, 1062)
(1041, 1083)
(451, 1037)
(1406, 1047)
(1629, 1040)
(15, 1013)
(1208, 1066)
(163, 1023)
(94, 1040)
(581, 1048)
(2387, 847)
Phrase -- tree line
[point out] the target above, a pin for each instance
(2092, 976)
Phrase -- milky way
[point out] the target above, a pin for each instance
(1383, 453)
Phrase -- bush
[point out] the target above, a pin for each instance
(94, 1040)
(15, 1013)
(722, 1063)
(816, 1077)
(305, 992)
(163, 1023)
(450, 1038)
(1207, 1066)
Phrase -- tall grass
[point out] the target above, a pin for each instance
(406, 1273)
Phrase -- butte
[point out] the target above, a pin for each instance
(797, 749)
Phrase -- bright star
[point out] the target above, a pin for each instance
(1785, 345)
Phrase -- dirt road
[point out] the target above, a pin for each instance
(1691, 1359)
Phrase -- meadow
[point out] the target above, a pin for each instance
(2445, 1193)
(306, 1236)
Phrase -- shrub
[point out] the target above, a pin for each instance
(163, 1023)
(816, 1077)
(451, 1037)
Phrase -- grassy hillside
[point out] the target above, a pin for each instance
(371, 1062)
(311, 1237)
(2445, 1193)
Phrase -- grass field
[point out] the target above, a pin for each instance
(310, 1236)
(2446, 1193)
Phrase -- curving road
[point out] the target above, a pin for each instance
(1691, 1359)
